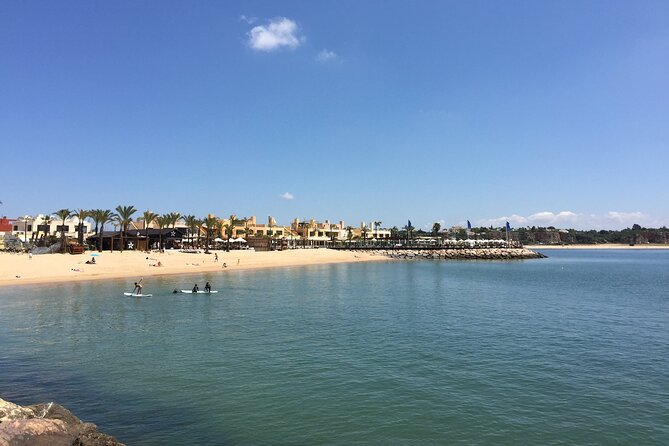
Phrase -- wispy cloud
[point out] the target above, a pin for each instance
(325, 55)
(278, 33)
(573, 220)
(287, 196)
(247, 19)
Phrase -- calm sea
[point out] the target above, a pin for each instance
(573, 349)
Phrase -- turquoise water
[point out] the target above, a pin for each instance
(573, 349)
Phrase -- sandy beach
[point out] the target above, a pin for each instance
(603, 246)
(16, 269)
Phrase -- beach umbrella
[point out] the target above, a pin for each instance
(95, 254)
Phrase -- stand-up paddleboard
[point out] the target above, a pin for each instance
(137, 295)
(199, 292)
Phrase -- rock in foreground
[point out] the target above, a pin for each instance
(47, 425)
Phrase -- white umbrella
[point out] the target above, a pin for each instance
(218, 240)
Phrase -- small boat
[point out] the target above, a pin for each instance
(137, 295)
(199, 292)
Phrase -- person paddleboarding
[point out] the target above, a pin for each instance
(138, 287)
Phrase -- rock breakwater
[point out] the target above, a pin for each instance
(461, 254)
(47, 425)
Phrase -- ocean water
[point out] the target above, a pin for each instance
(573, 349)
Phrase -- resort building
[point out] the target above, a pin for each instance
(6, 225)
(327, 233)
(245, 227)
(29, 228)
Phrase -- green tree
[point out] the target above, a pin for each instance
(101, 218)
(191, 223)
(174, 218)
(436, 227)
(148, 217)
(210, 223)
(363, 232)
(409, 230)
(230, 229)
(123, 217)
(163, 221)
(63, 214)
(394, 232)
(81, 214)
(377, 225)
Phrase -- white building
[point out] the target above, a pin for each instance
(28, 228)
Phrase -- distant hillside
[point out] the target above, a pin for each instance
(553, 236)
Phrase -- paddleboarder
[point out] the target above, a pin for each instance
(207, 287)
(138, 287)
(195, 289)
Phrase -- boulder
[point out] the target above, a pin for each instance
(47, 425)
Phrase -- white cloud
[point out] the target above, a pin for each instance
(287, 196)
(278, 33)
(572, 220)
(324, 55)
(247, 19)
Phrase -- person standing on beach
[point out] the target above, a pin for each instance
(215, 257)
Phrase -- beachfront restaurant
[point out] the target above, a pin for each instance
(140, 239)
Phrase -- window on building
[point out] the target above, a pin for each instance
(60, 228)
(16, 227)
(30, 228)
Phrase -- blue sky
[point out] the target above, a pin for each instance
(535, 112)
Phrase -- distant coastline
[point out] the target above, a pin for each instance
(599, 246)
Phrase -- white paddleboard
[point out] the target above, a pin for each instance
(137, 295)
(199, 292)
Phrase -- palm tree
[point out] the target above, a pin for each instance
(81, 214)
(174, 218)
(63, 214)
(247, 231)
(47, 229)
(148, 217)
(199, 224)
(435, 228)
(377, 224)
(123, 217)
(230, 229)
(35, 235)
(191, 224)
(363, 232)
(163, 222)
(218, 227)
(210, 223)
(101, 217)
(409, 228)
(271, 223)
(349, 233)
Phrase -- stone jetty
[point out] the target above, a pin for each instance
(47, 424)
(460, 254)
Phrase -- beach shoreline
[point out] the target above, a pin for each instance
(20, 269)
